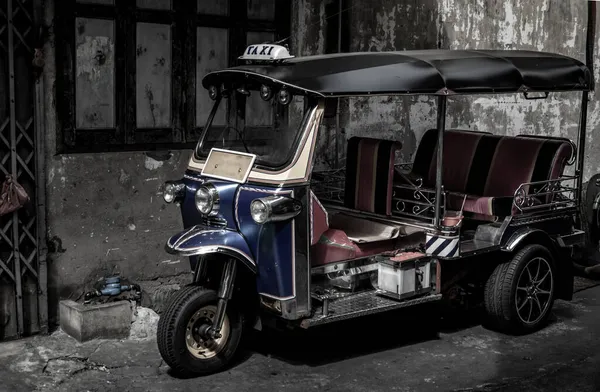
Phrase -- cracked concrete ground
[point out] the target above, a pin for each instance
(386, 353)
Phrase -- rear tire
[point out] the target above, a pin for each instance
(181, 348)
(520, 293)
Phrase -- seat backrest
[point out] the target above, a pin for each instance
(491, 165)
(513, 164)
(552, 158)
(520, 160)
(369, 174)
(459, 151)
(460, 147)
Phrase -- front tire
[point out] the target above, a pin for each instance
(520, 293)
(180, 345)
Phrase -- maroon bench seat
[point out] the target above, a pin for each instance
(368, 188)
(487, 168)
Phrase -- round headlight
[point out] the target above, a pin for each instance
(259, 211)
(174, 191)
(284, 96)
(265, 92)
(169, 194)
(213, 92)
(207, 200)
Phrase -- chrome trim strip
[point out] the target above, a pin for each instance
(208, 249)
(343, 265)
(573, 238)
(519, 236)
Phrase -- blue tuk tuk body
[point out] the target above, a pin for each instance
(266, 250)
(270, 237)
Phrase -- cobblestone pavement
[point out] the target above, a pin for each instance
(389, 353)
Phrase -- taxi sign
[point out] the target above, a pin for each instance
(266, 52)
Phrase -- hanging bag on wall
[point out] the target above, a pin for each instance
(12, 196)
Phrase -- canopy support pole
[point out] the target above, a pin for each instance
(582, 135)
(441, 125)
(337, 106)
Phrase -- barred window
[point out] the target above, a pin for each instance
(130, 71)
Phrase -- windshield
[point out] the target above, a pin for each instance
(247, 123)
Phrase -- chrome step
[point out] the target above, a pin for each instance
(361, 304)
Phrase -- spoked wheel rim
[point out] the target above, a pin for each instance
(199, 346)
(534, 290)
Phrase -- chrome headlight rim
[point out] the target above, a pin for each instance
(213, 199)
(265, 206)
(277, 208)
(174, 191)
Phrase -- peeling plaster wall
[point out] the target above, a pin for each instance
(105, 212)
(308, 27)
(548, 25)
(106, 215)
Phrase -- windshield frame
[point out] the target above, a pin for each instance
(310, 104)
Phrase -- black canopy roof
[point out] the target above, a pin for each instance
(438, 72)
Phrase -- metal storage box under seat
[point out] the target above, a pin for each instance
(400, 277)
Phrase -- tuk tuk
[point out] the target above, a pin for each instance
(272, 237)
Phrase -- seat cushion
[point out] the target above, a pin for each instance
(482, 205)
(334, 246)
(361, 230)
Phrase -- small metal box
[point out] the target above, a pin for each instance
(405, 278)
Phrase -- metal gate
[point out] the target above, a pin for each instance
(23, 281)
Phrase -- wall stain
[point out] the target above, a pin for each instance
(140, 50)
(151, 105)
(55, 245)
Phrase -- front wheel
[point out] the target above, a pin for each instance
(520, 293)
(180, 343)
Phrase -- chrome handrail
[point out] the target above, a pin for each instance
(423, 200)
(549, 189)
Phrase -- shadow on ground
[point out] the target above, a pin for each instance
(359, 337)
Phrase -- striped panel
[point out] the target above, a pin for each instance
(543, 164)
(351, 169)
(424, 156)
(366, 175)
(369, 174)
(512, 165)
(447, 247)
(480, 165)
(459, 151)
(385, 175)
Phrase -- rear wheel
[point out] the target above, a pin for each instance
(520, 293)
(180, 339)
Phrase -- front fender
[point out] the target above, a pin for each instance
(201, 240)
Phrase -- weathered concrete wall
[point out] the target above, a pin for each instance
(106, 214)
(547, 25)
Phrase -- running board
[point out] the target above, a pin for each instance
(362, 304)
